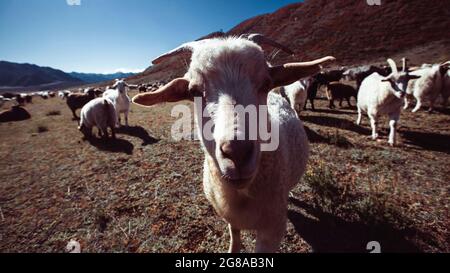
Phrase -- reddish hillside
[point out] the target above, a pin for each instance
(352, 31)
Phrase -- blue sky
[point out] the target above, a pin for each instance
(103, 36)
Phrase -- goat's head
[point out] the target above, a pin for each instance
(444, 67)
(399, 79)
(120, 85)
(91, 94)
(225, 74)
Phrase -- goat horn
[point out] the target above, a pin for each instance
(185, 50)
(288, 73)
(261, 40)
(393, 66)
(405, 64)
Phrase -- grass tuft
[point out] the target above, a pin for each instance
(42, 129)
(54, 113)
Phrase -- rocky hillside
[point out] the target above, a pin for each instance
(352, 31)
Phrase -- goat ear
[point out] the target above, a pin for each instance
(291, 72)
(176, 90)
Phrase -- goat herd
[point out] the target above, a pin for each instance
(249, 187)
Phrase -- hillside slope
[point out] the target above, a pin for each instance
(352, 31)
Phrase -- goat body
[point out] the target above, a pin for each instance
(296, 95)
(101, 113)
(246, 185)
(120, 99)
(428, 87)
(380, 95)
(340, 91)
(78, 100)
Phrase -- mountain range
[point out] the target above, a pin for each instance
(25, 77)
(95, 78)
(14, 75)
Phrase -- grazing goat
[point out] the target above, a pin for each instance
(330, 76)
(101, 113)
(28, 98)
(142, 88)
(247, 183)
(20, 99)
(86, 90)
(3, 100)
(16, 113)
(44, 94)
(9, 95)
(312, 85)
(380, 95)
(295, 94)
(119, 97)
(340, 91)
(78, 100)
(64, 94)
(428, 87)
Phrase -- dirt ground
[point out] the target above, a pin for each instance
(143, 192)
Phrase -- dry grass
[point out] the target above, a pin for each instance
(143, 192)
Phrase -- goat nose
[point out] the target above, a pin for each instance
(237, 150)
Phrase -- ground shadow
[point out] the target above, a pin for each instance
(112, 145)
(327, 233)
(314, 137)
(16, 113)
(338, 111)
(337, 123)
(427, 141)
(139, 132)
(336, 140)
(445, 111)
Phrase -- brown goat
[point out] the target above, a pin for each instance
(78, 100)
(340, 91)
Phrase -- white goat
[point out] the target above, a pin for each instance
(44, 94)
(380, 95)
(428, 87)
(3, 100)
(296, 95)
(64, 94)
(247, 185)
(101, 113)
(118, 95)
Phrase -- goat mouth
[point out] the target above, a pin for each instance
(238, 183)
